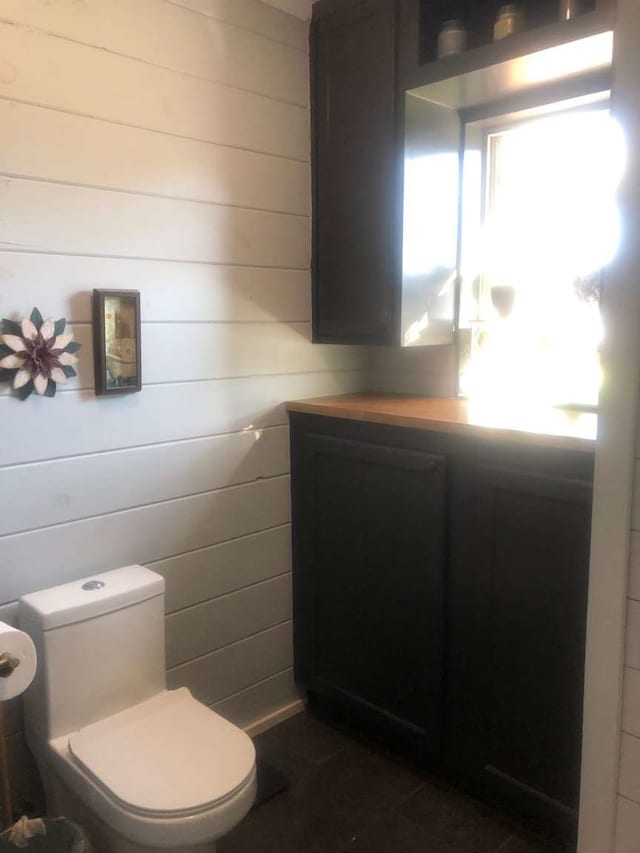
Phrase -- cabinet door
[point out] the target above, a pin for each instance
(368, 582)
(520, 608)
(356, 228)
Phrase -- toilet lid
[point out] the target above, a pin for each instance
(167, 754)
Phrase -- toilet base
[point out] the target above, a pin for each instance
(62, 802)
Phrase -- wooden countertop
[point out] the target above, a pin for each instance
(565, 429)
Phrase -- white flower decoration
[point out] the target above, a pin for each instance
(37, 354)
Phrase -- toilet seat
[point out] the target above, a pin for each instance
(169, 756)
(159, 830)
(92, 763)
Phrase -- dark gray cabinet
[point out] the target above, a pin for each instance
(440, 591)
(374, 131)
(369, 530)
(518, 581)
(356, 191)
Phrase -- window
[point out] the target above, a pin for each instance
(539, 222)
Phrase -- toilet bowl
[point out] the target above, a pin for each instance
(140, 767)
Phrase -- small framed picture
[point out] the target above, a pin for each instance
(116, 339)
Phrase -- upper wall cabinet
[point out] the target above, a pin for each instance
(388, 121)
(355, 199)
(367, 286)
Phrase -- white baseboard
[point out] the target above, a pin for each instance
(275, 717)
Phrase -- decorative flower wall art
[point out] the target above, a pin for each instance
(37, 355)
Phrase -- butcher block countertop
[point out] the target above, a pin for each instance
(549, 427)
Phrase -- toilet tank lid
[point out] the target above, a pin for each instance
(92, 596)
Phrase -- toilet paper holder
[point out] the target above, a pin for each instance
(8, 663)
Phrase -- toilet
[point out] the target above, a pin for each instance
(139, 767)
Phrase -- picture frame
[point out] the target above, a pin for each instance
(116, 341)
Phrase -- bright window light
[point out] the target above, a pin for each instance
(532, 268)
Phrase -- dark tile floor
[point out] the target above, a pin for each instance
(347, 796)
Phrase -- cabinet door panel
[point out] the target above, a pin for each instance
(369, 579)
(532, 538)
(355, 178)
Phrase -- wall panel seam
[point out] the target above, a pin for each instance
(251, 686)
(215, 597)
(228, 594)
(34, 179)
(152, 563)
(89, 392)
(124, 510)
(20, 732)
(628, 799)
(132, 58)
(274, 321)
(19, 249)
(81, 114)
(179, 554)
(209, 17)
(186, 663)
(252, 376)
(258, 478)
(170, 443)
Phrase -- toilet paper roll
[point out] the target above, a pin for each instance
(16, 650)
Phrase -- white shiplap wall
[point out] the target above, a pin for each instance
(425, 371)
(163, 145)
(628, 818)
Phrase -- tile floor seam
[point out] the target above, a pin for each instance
(347, 795)
(403, 802)
(504, 844)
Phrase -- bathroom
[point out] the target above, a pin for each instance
(164, 147)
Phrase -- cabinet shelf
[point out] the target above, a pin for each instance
(519, 44)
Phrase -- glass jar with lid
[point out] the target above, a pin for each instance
(570, 9)
(509, 21)
(452, 38)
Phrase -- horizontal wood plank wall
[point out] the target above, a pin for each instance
(163, 146)
(423, 371)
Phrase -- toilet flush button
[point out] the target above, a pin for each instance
(89, 585)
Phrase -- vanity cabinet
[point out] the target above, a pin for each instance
(440, 591)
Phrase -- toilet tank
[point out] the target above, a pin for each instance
(100, 646)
